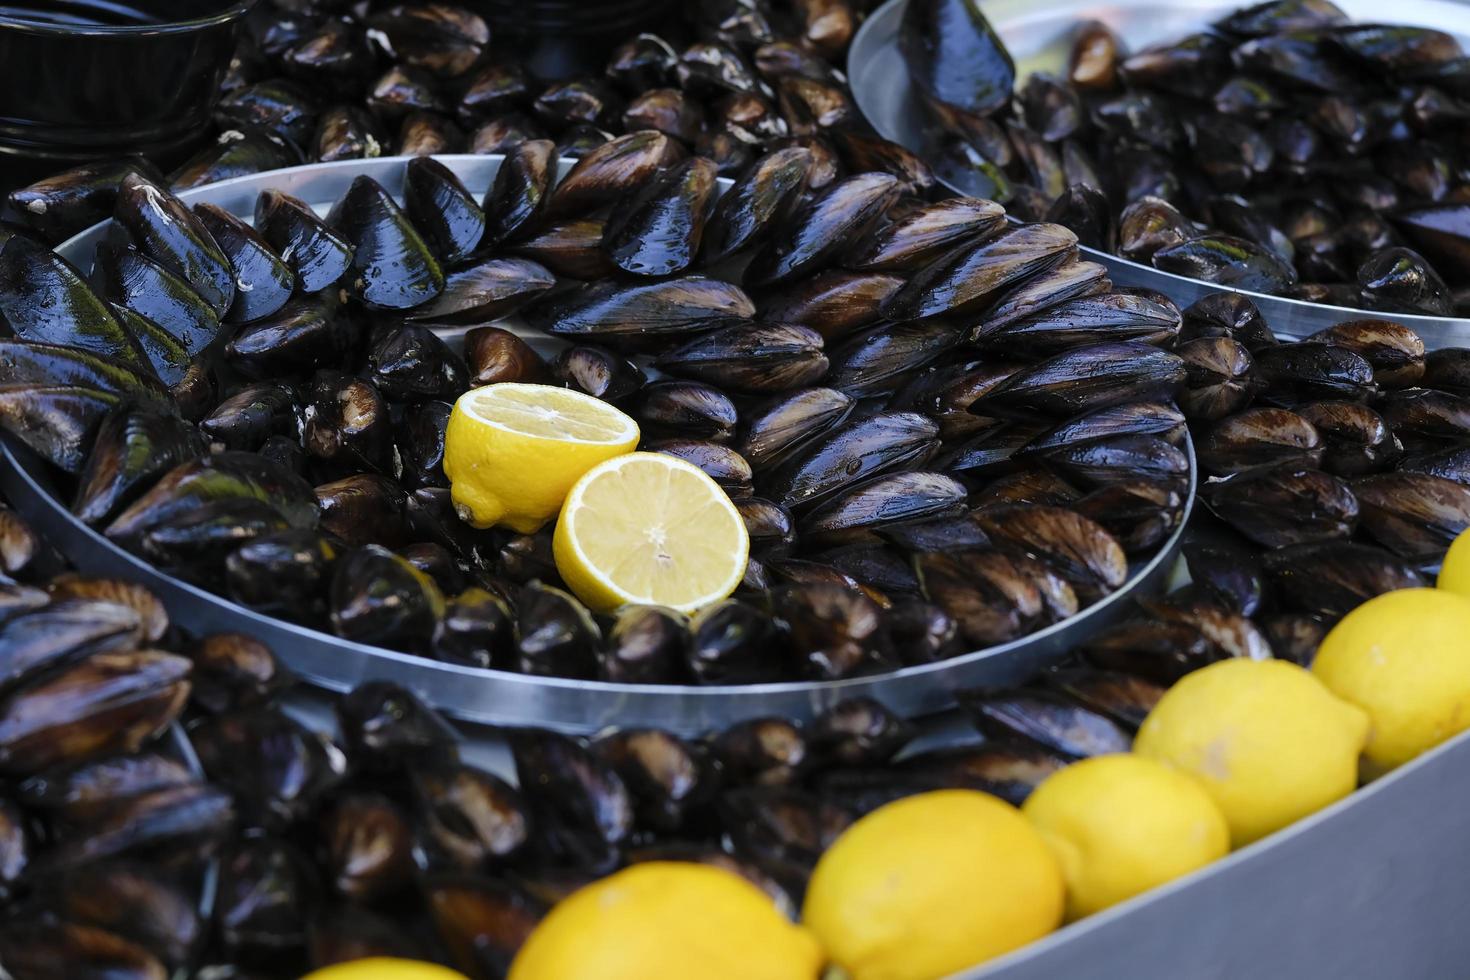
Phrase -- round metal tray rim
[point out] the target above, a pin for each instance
(583, 704)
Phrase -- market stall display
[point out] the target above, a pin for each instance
(685, 541)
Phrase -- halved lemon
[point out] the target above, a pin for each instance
(512, 451)
(649, 529)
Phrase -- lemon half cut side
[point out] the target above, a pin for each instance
(650, 529)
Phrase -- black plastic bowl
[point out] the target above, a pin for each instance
(81, 79)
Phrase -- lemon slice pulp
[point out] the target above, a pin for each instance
(650, 529)
(548, 412)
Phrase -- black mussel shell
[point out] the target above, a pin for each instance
(580, 806)
(165, 230)
(129, 278)
(762, 197)
(776, 428)
(1260, 437)
(639, 313)
(386, 727)
(972, 278)
(263, 282)
(411, 362)
(598, 372)
(441, 209)
(1276, 507)
(618, 167)
(379, 598)
(1092, 377)
(1335, 577)
(956, 59)
(59, 206)
(44, 298)
(234, 154)
(833, 302)
(365, 508)
(734, 644)
(849, 454)
(518, 196)
(504, 133)
(308, 332)
(276, 107)
(284, 574)
(558, 637)
(658, 232)
(488, 291)
(1414, 515)
(392, 267)
(347, 132)
(347, 425)
(671, 409)
(570, 248)
(495, 355)
(244, 420)
(1402, 279)
(1227, 261)
(750, 358)
(132, 447)
(812, 238)
(318, 255)
(472, 817)
(646, 645)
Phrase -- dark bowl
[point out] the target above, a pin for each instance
(80, 79)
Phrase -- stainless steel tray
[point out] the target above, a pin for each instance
(500, 697)
(1038, 34)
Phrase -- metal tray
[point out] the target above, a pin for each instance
(1038, 34)
(501, 697)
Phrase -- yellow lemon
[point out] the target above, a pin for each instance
(665, 920)
(1403, 657)
(651, 529)
(384, 968)
(1454, 571)
(1122, 824)
(1265, 739)
(512, 451)
(933, 884)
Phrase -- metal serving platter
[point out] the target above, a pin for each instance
(1038, 33)
(500, 697)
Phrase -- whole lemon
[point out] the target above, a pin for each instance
(1403, 657)
(1265, 739)
(666, 920)
(1122, 824)
(1454, 571)
(932, 884)
(384, 968)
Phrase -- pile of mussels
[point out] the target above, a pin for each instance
(327, 80)
(379, 838)
(1286, 151)
(905, 385)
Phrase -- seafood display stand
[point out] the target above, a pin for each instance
(1038, 36)
(1371, 887)
(507, 698)
(1366, 889)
